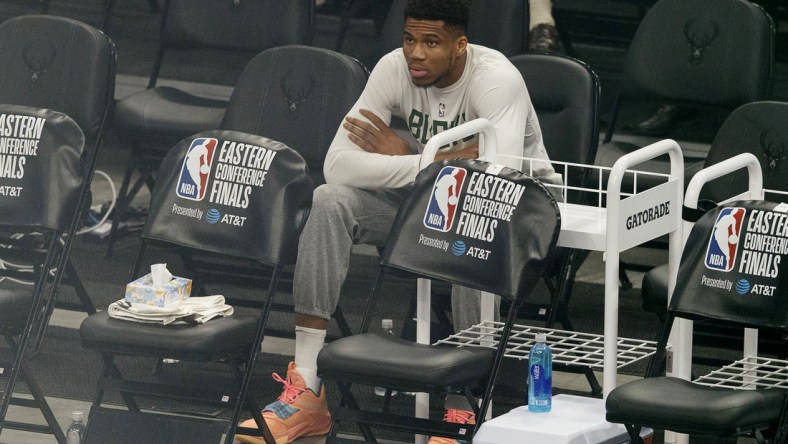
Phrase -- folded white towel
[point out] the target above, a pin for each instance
(198, 309)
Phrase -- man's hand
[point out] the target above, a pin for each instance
(470, 152)
(375, 137)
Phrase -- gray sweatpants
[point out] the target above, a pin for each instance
(342, 216)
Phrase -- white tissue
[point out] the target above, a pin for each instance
(160, 274)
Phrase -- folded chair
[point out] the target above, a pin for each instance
(719, 280)
(565, 94)
(59, 64)
(40, 193)
(435, 236)
(65, 65)
(297, 95)
(755, 128)
(195, 207)
(155, 119)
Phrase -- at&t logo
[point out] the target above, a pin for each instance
(212, 216)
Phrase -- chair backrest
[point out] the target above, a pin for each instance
(247, 26)
(718, 53)
(757, 128)
(42, 171)
(565, 94)
(470, 222)
(498, 24)
(231, 193)
(60, 64)
(731, 265)
(297, 95)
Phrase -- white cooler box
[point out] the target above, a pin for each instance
(573, 420)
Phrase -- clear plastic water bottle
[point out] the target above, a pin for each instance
(540, 374)
(387, 325)
(76, 431)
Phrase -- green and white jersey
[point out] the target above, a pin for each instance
(490, 87)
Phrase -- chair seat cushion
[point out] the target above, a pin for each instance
(372, 358)
(166, 115)
(681, 406)
(216, 339)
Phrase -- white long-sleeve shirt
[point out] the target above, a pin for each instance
(490, 87)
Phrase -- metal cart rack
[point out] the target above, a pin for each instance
(602, 227)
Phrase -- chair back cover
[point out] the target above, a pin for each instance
(477, 224)
(735, 266)
(60, 64)
(232, 193)
(717, 53)
(41, 172)
(245, 25)
(758, 128)
(297, 95)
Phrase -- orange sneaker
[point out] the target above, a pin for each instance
(457, 417)
(297, 412)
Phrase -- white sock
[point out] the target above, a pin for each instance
(540, 11)
(308, 343)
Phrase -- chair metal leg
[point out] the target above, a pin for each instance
(634, 434)
(125, 196)
(42, 404)
(109, 5)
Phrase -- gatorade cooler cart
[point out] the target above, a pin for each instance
(601, 227)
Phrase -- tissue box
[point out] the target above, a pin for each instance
(142, 291)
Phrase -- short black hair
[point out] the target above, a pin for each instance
(454, 13)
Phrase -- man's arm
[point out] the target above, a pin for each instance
(374, 136)
(347, 162)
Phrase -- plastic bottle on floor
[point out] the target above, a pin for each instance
(387, 325)
(76, 431)
(540, 374)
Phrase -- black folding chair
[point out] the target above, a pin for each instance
(257, 221)
(297, 95)
(437, 237)
(67, 66)
(40, 192)
(730, 274)
(752, 128)
(157, 118)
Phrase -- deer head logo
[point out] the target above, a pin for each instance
(295, 91)
(699, 43)
(38, 58)
(773, 152)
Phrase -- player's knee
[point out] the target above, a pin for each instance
(328, 199)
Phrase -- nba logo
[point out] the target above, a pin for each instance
(724, 240)
(442, 207)
(196, 168)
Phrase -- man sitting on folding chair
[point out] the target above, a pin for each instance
(437, 80)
